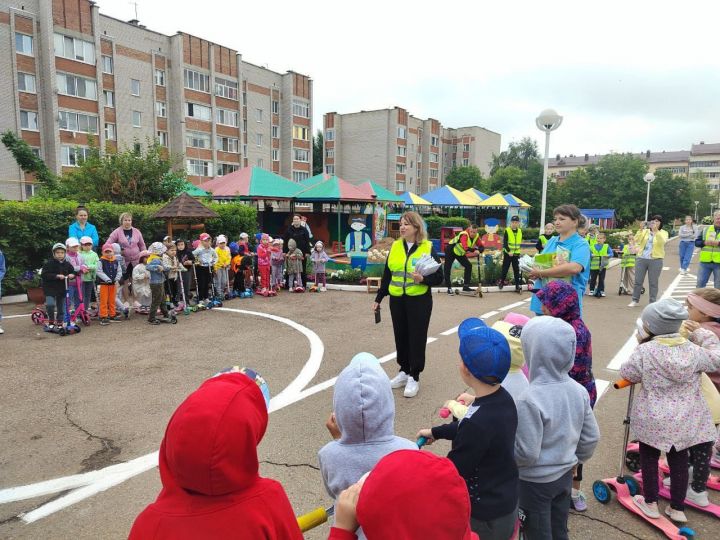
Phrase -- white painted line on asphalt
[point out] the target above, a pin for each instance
(666, 268)
(489, 314)
(510, 306)
(449, 332)
(14, 316)
(601, 386)
(430, 340)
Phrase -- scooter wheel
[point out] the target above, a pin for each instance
(632, 484)
(173, 320)
(38, 317)
(687, 532)
(632, 461)
(62, 332)
(601, 491)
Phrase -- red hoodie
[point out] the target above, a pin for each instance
(411, 495)
(209, 470)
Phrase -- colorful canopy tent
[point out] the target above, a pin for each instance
(381, 194)
(478, 195)
(317, 179)
(496, 201)
(194, 191)
(251, 183)
(602, 217)
(514, 201)
(184, 207)
(449, 196)
(411, 199)
(333, 189)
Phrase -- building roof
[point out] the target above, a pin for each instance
(184, 206)
(380, 193)
(413, 199)
(334, 189)
(449, 196)
(670, 156)
(702, 148)
(251, 183)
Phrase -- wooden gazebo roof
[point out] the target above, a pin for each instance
(184, 206)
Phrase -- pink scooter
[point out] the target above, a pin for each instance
(625, 487)
(664, 492)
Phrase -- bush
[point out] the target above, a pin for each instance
(29, 229)
(434, 223)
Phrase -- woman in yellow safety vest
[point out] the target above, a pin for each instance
(649, 260)
(410, 299)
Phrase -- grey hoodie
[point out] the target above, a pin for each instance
(365, 413)
(556, 426)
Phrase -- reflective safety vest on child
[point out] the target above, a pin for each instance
(628, 259)
(599, 258)
(514, 241)
(402, 267)
(457, 246)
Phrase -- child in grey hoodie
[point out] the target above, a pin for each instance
(364, 411)
(556, 429)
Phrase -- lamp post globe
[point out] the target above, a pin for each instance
(649, 177)
(547, 121)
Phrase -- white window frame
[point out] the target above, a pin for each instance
(402, 150)
(400, 168)
(466, 147)
(194, 80)
(301, 155)
(401, 132)
(69, 155)
(137, 115)
(226, 88)
(23, 78)
(28, 123)
(135, 87)
(65, 88)
(434, 173)
(330, 153)
(198, 167)
(399, 185)
(161, 109)
(301, 108)
(74, 49)
(199, 107)
(329, 134)
(258, 139)
(107, 64)
(198, 139)
(159, 77)
(24, 39)
(227, 168)
(465, 162)
(434, 140)
(275, 154)
(227, 117)
(78, 122)
(258, 115)
(162, 137)
(330, 169)
(299, 176)
(275, 106)
(275, 132)
(110, 131)
(230, 145)
(260, 163)
(301, 130)
(109, 103)
(434, 157)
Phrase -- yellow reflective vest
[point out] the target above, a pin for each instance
(514, 241)
(628, 259)
(598, 257)
(402, 267)
(457, 246)
(710, 254)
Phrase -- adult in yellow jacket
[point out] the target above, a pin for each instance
(650, 242)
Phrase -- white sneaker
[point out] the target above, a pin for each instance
(399, 380)
(701, 499)
(323, 289)
(666, 482)
(2, 331)
(411, 388)
(649, 509)
(633, 304)
(677, 516)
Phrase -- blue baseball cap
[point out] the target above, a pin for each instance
(484, 351)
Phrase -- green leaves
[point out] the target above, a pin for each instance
(463, 178)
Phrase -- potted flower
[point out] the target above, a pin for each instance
(31, 282)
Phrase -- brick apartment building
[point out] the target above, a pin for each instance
(402, 152)
(70, 73)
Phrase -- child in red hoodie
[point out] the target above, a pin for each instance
(209, 470)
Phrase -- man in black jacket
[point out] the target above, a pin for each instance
(299, 233)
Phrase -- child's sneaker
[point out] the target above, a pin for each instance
(399, 380)
(411, 388)
(126, 313)
(323, 289)
(579, 501)
(151, 321)
(676, 515)
(116, 318)
(649, 509)
(104, 321)
(701, 498)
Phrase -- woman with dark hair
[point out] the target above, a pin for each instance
(81, 227)
(650, 242)
(572, 254)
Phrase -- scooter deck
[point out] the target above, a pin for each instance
(477, 293)
(664, 492)
(712, 483)
(663, 524)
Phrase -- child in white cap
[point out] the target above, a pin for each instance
(319, 258)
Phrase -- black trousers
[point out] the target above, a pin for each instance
(597, 276)
(507, 261)
(411, 318)
(203, 281)
(451, 256)
(239, 280)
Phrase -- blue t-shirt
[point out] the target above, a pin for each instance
(74, 231)
(579, 253)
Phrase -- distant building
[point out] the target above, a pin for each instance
(705, 159)
(674, 161)
(402, 152)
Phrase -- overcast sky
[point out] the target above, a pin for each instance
(626, 75)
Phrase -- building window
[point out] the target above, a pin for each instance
(162, 137)
(227, 117)
(23, 44)
(110, 134)
(107, 64)
(245, 151)
(301, 108)
(275, 107)
(244, 98)
(36, 152)
(401, 133)
(72, 85)
(330, 169)
(160, 77)
(402, 150)
(433, 157)
(227, 168)
(275, 154)
(137, 119)
(434, 140)
(83, 123)
(299, 176)
(197, 81)
(244, 125)
(466, 147)
(260, 163)
(72, 156)
(161, 109)
(275, 132)
(302, 155)
(198, 167)
(258, 115)
(228, 144)
(301, 133)
(201, 112)
(330, 135)
(134, 87)
(29, 120)
(197, 139)
(225, 88)
(704, 164)
(258, 139)
(26, 82)
(399, 186)
(29, 190)
(109, 98)
(330, 154)
(400, 168)
(433, 173)
(465, 162)
(74, 49)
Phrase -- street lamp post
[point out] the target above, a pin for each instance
(548, 121)
(649, 177)
(696, 205)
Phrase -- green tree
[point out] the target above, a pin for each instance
(318, 153)
(526, 185)
(519, 154)
(28, 161)
(130, 175)
(700, 192)
(466, 177)
(670, 196)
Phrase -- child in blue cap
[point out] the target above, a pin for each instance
(483, 441)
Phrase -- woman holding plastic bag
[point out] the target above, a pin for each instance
(411, 269)
(566, 256)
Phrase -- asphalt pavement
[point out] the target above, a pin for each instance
(99, 401)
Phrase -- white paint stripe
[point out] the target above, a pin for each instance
(601, 386)
(489, 314)
(510, 306)
(430, 340)
(666, 268)
(14, 316)
(449, 332)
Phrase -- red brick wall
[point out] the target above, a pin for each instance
(73, 15)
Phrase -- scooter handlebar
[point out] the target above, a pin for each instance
(422, 441)
(313, 519)
(622, 383)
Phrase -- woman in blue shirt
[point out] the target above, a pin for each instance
(572, 247)
(81, 227)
